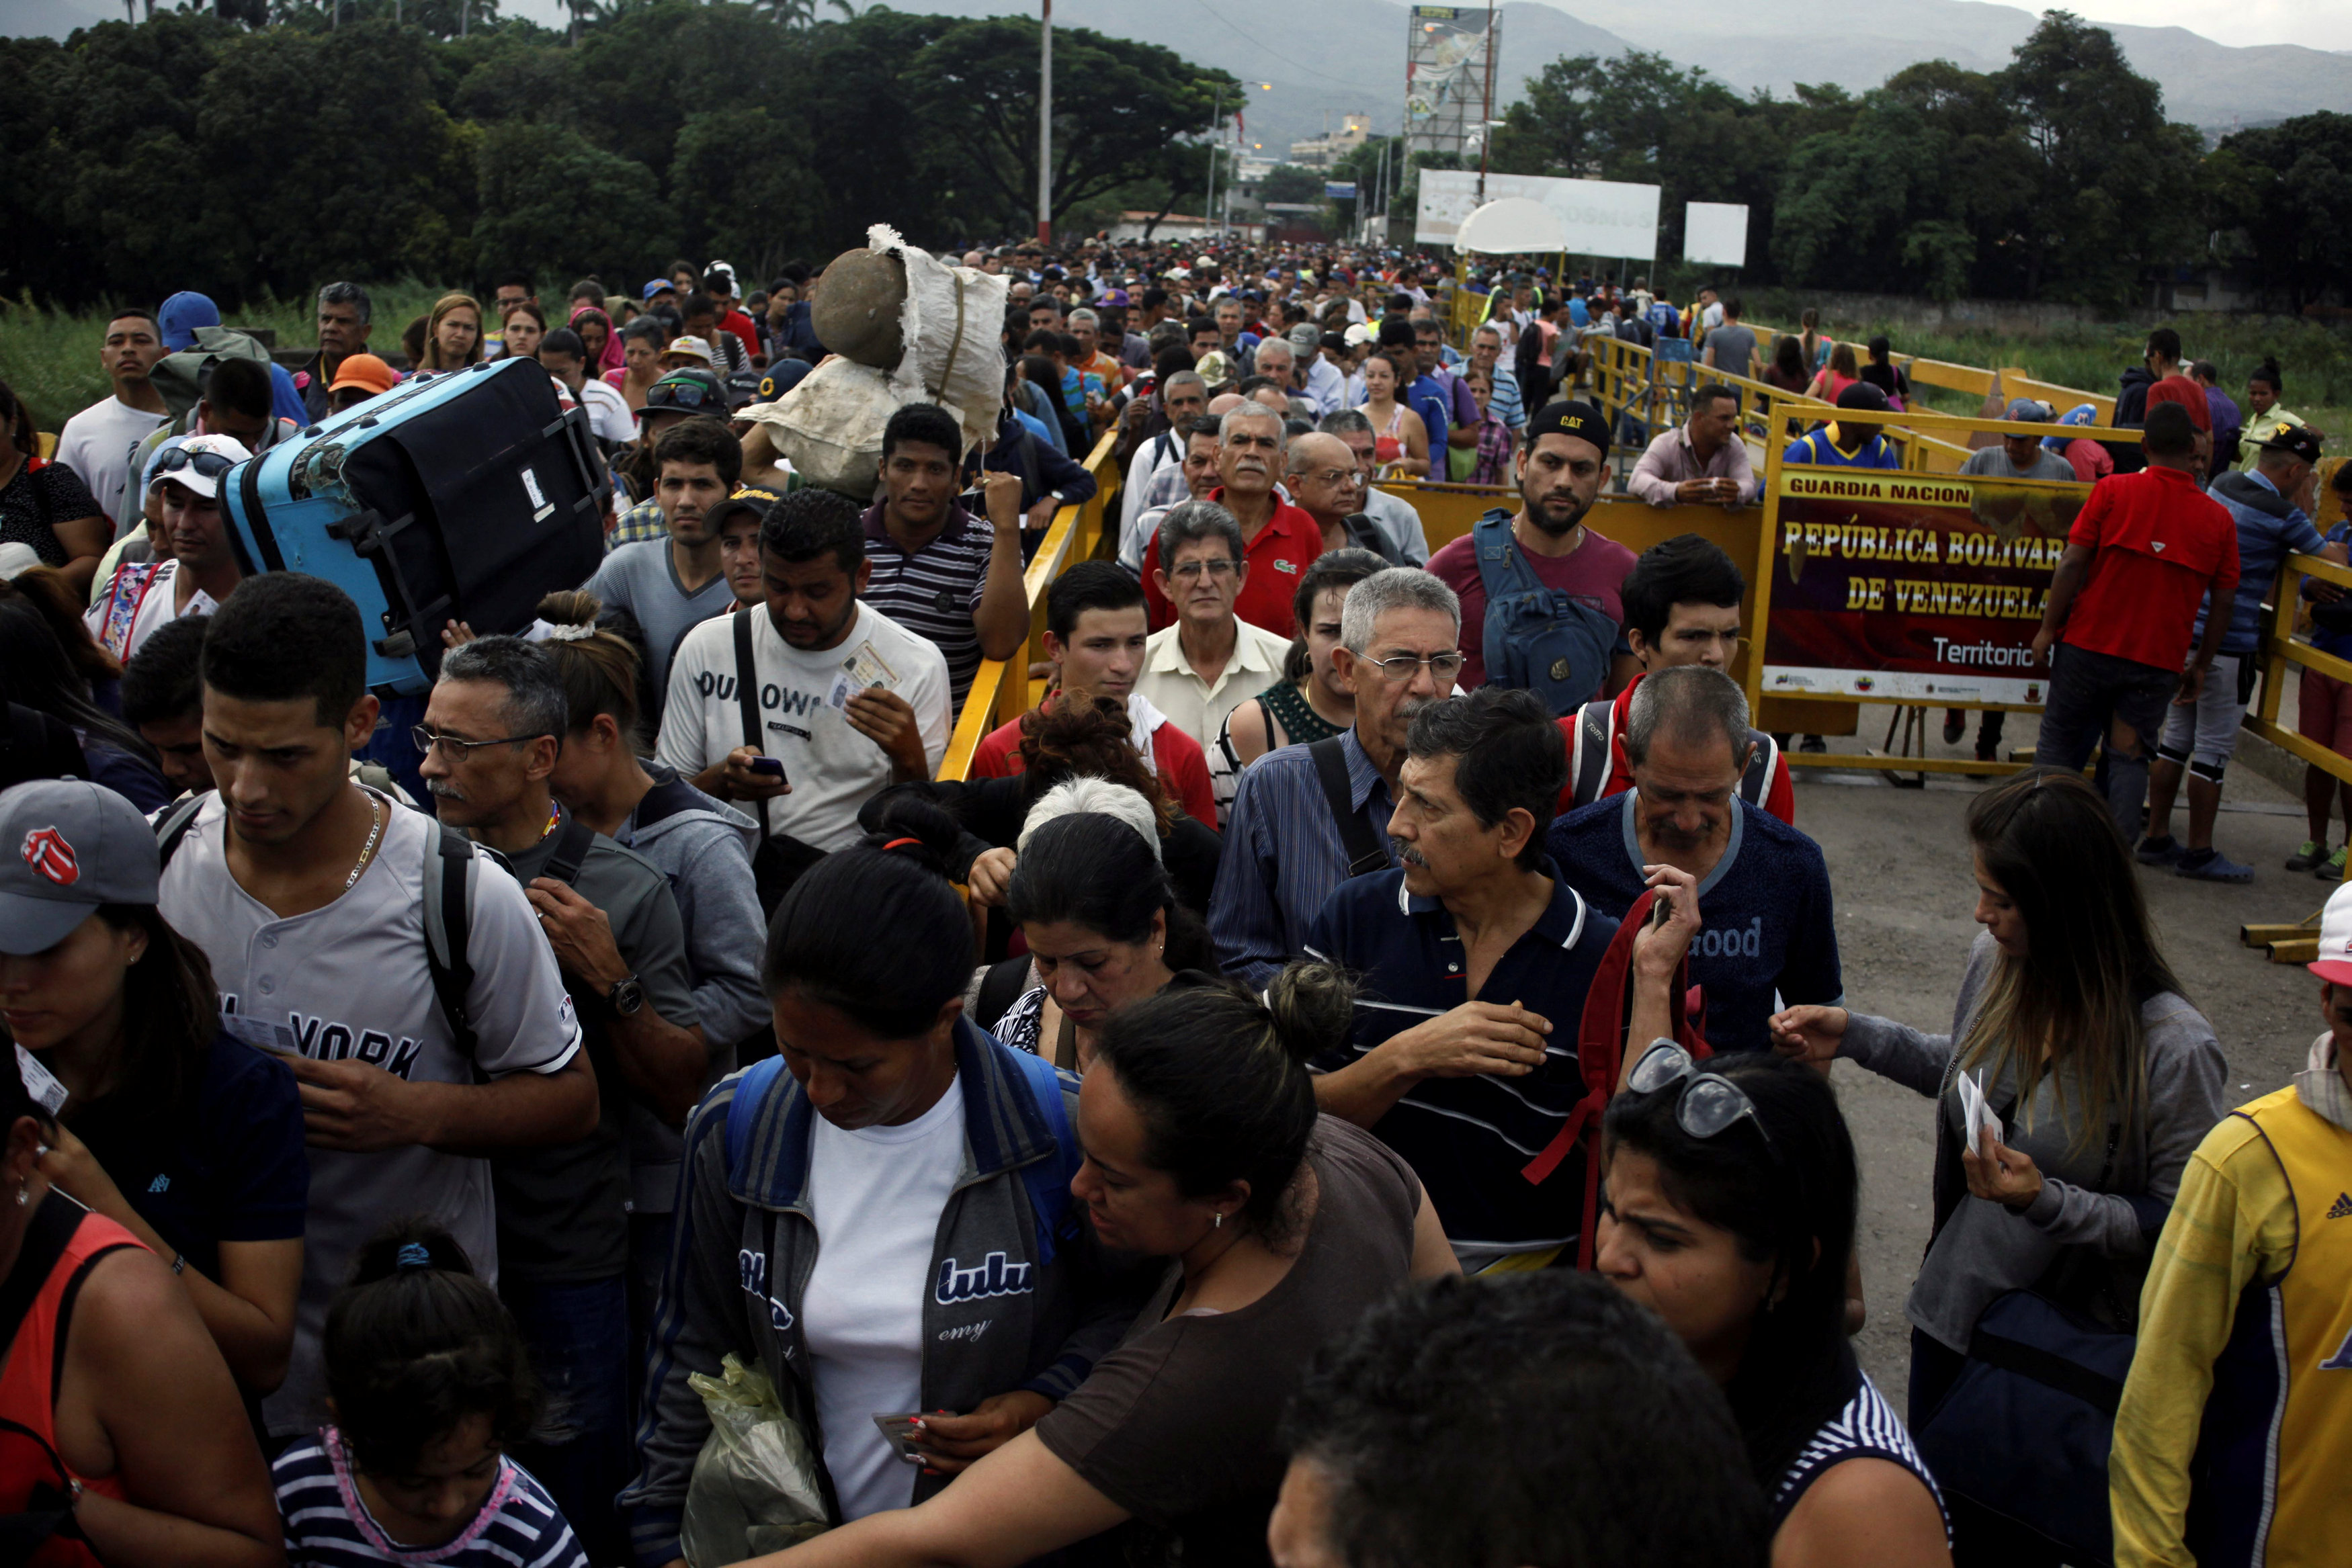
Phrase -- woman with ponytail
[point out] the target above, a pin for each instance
(2265, 417)
(428, 1384)
(1276, 1228)
(879, 1217)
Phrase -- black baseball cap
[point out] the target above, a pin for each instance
(748, 498)
(1571, 417)
(2295, 440)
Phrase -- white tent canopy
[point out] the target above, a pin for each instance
(1512, 225)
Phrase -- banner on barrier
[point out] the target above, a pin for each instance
(1923, 587)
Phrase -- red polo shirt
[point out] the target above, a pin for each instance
(2161, 545)
(1283, 549)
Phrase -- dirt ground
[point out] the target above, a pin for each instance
(1899, 866)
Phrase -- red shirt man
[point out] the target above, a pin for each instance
(2158, 545)
(1279, 540)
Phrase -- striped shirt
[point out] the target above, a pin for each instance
(327, 1525)
(1868, 1428)
(1469, 1139)
(934, 591)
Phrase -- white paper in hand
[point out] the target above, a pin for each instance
(40, 1083)
(1976, 1114)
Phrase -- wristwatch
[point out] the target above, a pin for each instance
(626, 996)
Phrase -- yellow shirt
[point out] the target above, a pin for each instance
(2234, 1222)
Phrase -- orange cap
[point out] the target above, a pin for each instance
(364, 370)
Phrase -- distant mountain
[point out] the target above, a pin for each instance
(1325, 58)
(1860, 43)
(1333, 57)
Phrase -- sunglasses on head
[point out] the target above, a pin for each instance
(682, 394)
(1709, 1103)
(209, 465)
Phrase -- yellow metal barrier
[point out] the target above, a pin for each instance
(1002, 691)
(2297, 942)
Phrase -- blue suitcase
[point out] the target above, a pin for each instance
(467, 497)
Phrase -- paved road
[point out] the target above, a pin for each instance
(1899, 862)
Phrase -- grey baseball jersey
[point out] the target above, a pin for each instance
(349, 982)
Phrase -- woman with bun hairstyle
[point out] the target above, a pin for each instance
(1098, 915)
(2264, 416)
(428, 1384)
(1278, 1228)
(879, 1217)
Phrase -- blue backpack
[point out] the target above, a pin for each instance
(1048, 1180)
(1537, 639)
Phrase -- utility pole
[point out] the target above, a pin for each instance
(1045, 128)
(1216, 122)
(1486, 117)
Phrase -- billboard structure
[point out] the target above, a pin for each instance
(1448, 64)
(1602, 217)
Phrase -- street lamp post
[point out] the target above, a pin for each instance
(1045, 128)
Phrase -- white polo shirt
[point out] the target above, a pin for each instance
(348, 981)
(1199, 707)
(831, 767)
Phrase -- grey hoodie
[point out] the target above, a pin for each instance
(703, 846)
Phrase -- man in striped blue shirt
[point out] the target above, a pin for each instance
(936, 570)
(1486, 354)
(1476, 956)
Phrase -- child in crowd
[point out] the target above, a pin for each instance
(428, 1382)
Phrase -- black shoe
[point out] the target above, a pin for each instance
(1813, 743)
(1956, 725)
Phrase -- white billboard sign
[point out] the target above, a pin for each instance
(1716, 233)
(1603, 218)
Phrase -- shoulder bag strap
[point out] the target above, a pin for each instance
(573, 840)
(450, 870)
(747, 696)
(1357, 840)
(175, 824)
(1589, 767)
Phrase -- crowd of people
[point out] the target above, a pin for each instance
(1341, 1080)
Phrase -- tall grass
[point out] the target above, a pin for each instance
(50, 357)
(2315, 357)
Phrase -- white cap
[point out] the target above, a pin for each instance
(693, 348)
(180, 466)
(2334, 964)
(1356, 334)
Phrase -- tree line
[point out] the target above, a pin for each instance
(267, 147)
(195, 151)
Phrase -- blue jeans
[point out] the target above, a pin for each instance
(579, 1340)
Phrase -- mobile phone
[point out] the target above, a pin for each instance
(771, 766)
(1661, 910)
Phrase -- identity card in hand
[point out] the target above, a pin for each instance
(860, 670)
(1976, 1114)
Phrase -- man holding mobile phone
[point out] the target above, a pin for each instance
(1703, 463)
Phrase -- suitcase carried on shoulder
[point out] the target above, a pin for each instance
(467, 497)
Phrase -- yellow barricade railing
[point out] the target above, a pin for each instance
(1001, 691)
(2296, 943)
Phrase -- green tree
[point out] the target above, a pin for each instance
(1290, 183)
(1117, 106)
(2286, 190)
(743, 189)
(549, 200)
(2114, 183)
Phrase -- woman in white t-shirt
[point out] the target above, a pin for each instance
(880, 1219)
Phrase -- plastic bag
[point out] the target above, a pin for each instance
(756, 1486)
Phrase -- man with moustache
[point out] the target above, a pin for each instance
(1766, 922)
(1541, 601)
(1305, 818)
(1278, 540)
